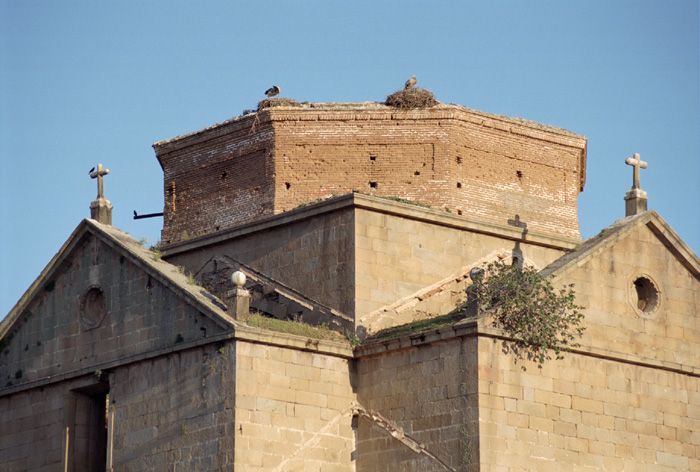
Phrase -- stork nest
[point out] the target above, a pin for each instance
(411, 98)
(277, 102)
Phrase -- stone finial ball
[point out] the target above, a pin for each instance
(238, 278)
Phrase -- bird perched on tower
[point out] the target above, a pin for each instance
(272, 91)
(410, 83)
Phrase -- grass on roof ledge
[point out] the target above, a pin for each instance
(416, 327)
(324, 332)
(295, 327)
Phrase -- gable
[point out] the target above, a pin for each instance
(641, 289)
(101, 300)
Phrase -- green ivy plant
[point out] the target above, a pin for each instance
(539, 319)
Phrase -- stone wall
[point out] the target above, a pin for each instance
(428, 392)
(140, 314)
(399, 254)
(358, 253)
(293, 409)
(32, 421)
(668, 331)
(630, 397)
(309, 251)
(175, 410)
(448, 157)
(586, 413)
(104, 321)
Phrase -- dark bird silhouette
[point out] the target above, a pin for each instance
(410, 83)
(91, 170)
(135, 213)
(272, 91)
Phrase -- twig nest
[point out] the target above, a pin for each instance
(277, 102)
(411, 98)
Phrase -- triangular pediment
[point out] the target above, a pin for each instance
(104, 299)
(640, 286)
(620, 230)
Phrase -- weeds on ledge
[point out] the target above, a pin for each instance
(322, 331)
(404, 200)
(318, 200)
(416, 327)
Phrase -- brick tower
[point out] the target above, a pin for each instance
(448, 157)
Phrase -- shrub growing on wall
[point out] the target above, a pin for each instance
(538, 319)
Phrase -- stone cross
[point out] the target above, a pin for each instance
(636, 163)
(98, 175)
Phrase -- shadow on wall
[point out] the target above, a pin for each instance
(518, 257)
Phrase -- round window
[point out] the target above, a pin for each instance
(92, 307)
(645, 295)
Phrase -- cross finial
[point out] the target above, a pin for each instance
(100, 208)
(636, 163)
(635, 198)
(98, 175)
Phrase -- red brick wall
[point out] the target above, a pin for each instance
(448, 157)
(215, 179)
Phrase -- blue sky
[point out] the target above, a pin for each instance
(93, 82)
